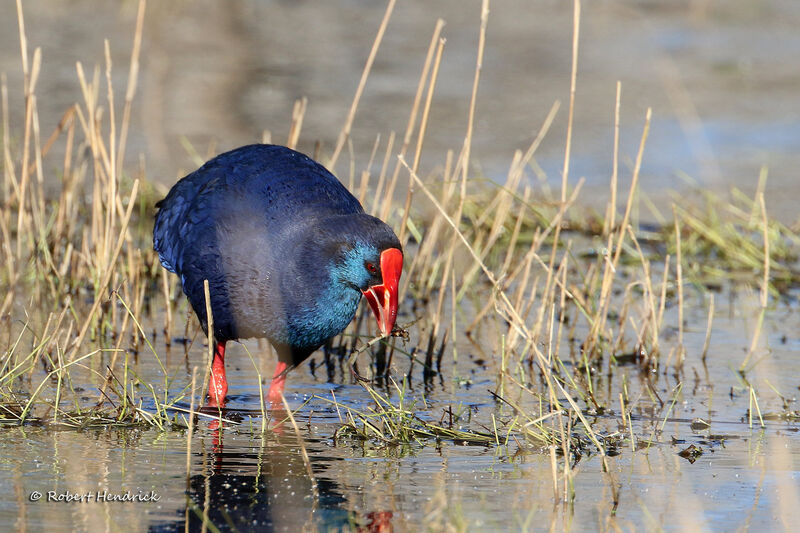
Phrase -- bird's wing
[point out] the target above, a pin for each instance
(282, 186)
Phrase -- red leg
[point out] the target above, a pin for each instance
(218, 383)
(276, 387)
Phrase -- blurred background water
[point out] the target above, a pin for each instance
(722, 79)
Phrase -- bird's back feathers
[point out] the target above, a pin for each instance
(240, 221)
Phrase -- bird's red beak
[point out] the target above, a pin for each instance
(383, 298)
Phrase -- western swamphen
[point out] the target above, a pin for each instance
(286, 249)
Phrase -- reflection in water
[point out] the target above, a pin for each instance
(252, 484)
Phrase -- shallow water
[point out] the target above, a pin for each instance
(245, 479)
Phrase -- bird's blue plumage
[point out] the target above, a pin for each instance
(277, 236)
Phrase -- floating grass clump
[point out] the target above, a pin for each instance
(392, 424)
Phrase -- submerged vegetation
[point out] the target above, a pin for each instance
(554, 303)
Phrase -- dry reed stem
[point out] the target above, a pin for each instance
(345, 132)
(421, 136)
(412, 118)
(649, 297)
(765, 226)
(461, 236)
(562, 303)
(428, 99)
(609, 273)
(30, 75)
(37, 201)
(107, 274)
(9, 179)
(210, 326)
(168, 307)
(64, 123)
(442, 291)
(298, 113)
(512, 243)
(707, 340)
(454, 313)
(382, 177)
(568, 144)
(474, 98)
(117, 349)
(189, 434)
(133, 76)
(663, 299)
(612, 205)
(764, 292)
(352, 167)
(112, 166)
(576, 29)
(501, 208)
(365, 174)
(679, 281)
(511, 314)
(554, 471)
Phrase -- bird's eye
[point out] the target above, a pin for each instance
(371, 268)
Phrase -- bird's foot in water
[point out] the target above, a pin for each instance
(275, 396)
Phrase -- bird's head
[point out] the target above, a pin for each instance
(373, 263)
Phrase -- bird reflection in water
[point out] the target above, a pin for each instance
(267, 483)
